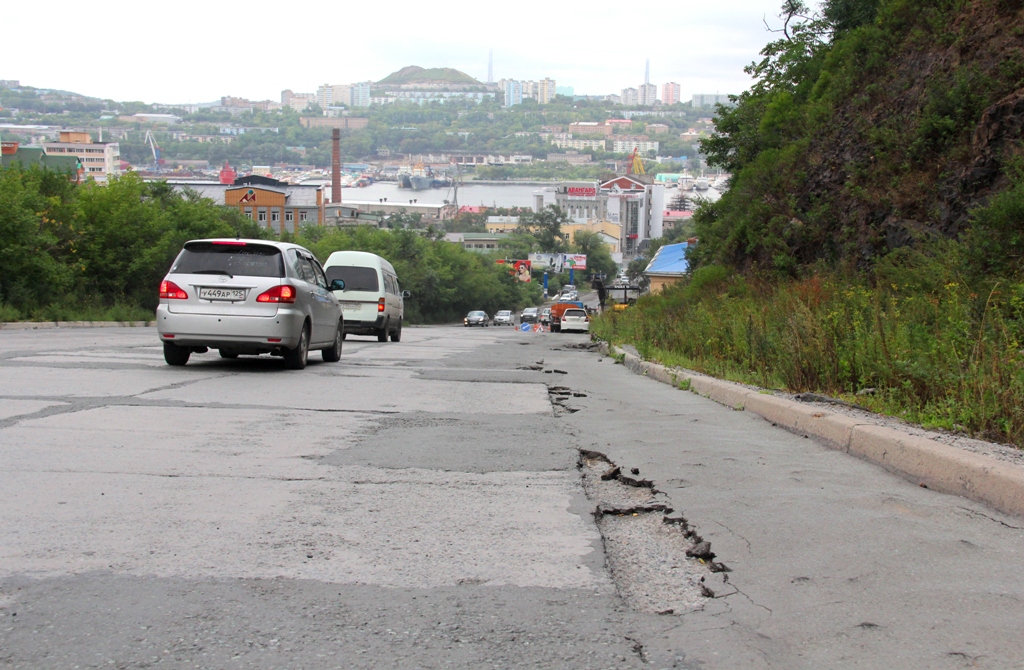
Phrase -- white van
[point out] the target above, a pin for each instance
(372, 300)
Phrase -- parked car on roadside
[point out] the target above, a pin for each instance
(476, 318)
(575, 319)
(248, 297)
(529, 315)
(504, 317)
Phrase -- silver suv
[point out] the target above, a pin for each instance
(248, 297)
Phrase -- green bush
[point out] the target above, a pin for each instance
(938, 349)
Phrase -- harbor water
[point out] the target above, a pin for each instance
(476, 195)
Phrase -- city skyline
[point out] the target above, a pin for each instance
(702, 48)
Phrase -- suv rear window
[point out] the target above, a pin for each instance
(246, 260)
(574, 312)
(355, 278)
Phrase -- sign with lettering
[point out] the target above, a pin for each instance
(582, 191)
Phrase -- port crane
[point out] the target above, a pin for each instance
(155, 148)
(636, 164)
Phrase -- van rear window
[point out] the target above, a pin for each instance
(355, 278)
(249, 260)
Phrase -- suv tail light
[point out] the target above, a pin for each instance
(282, 293)
(172, 291)
(380, 305)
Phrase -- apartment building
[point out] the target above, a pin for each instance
(648, 94)
(578, 144)
(100, 160)
(627, 146)
(630, 97)
(513, 92)
(546, 91)
(343, 122)
(325, 96)
(590, 128)
(670, 93)
(709, 99)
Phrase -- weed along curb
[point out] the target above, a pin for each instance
(926, 462)
(37, 325)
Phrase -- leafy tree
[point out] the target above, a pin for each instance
(546, 228)
(599, 258)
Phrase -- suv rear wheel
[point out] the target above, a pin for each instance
(175, 355)
(295, 359)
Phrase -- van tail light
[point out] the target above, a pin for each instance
(172, 291)
(282, 293)
(380, 305)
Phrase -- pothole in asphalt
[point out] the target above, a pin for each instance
(560, 396)
(659, 564)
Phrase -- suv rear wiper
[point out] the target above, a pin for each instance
(214, 272)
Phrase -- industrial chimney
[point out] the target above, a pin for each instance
(336, 165)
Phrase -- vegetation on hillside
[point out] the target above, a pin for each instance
(872, 239)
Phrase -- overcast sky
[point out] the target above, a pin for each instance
(189, 51)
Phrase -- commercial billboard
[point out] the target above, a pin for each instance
(574, 261)
(520, 269)
(547, 262)
(558, 263)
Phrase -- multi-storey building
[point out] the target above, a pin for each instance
(627, 146)
(598, 145)
(546, 91)
(325, 96)
(709, 99)
(297, 101)
(513, 92)
(632, 202)
(670, 93)
(648, 94)
(590, 128)
(630, 97)
(344, 122)
(100, 160)
(361, 94)
(341, 94)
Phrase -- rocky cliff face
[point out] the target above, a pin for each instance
(895, 129)
(928, 132)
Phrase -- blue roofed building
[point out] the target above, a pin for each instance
(668, 266)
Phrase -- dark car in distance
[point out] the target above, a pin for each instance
(529, 315)
(476, 318)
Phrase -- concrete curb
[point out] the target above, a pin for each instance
(43, 325)
(926, 462)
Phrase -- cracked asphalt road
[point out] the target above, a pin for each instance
(419, 505)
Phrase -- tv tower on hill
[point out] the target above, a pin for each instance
(648, 91)
(490, 66)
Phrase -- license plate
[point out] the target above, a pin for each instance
(210, 293)
(350, 305)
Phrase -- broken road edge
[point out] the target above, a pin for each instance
(925, 462)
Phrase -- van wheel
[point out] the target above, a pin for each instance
(397, 335)
(175, 355)
(382, 333)
(295, 359)
(332, 354)
(227, 353)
